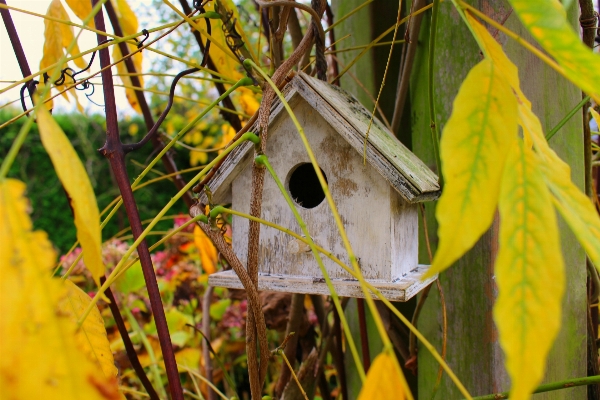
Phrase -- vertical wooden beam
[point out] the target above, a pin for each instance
(473, 349)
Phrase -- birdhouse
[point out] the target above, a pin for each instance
(376, 198)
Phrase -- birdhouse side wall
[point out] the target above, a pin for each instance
(362, 196)
(405, 236)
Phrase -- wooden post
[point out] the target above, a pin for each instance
(474, 353)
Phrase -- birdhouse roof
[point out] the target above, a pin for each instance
(397, 164)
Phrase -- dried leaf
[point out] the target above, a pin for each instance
(473, 149)
(529, 272)
(77, 184)
(37, 340)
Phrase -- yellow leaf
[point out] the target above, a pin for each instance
(67, 33)
(473, 149)
(122, 69)
(37, 341)
(77, 184)
(225, 63)
(529, 272)
(127, 18)
(596, 116)
(383, 380)
(47, 102)
(92, 335)
(575, 207)
(547, 22)
(129, 25)
(248, 101)
(208, 253)
(53, 48)
(58, 36)
(82, 9)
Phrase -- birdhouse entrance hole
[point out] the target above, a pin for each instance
(304, 186)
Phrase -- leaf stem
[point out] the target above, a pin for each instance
(567, 117)
(548, 387)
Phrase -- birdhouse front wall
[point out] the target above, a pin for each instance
(381, 226)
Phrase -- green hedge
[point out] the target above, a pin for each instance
(50, 210)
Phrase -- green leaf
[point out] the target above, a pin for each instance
(473, 149)
(547, 22)
(131, 280)
(529, 272)
(217, 310)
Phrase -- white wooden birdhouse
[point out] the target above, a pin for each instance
(377, 201)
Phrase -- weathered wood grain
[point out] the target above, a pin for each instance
(398, 165)
(363, 198)
(401, 290)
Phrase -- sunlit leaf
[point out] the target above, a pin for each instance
(58, 36)
(224, 63)
(68, 35)
(473, 149)
(129, 25)
(529, 271)
(547, 22)
(82, 9)
(208, 253)
(75, 180)
(92, 336)
(575, 207)
(596, 117)
(127, 18)
(40, 354)
(383, 380)
(126, 79)
(248, 101)
(53, 48)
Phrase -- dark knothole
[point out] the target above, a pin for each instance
(304, 186)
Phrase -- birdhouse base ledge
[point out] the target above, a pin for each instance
(400, 290)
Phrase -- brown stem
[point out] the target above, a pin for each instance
(294, 321)
(148, 119)
(16, 45)
(364, 336)
(208, 368)
(395, 337)
(333, 62)
(258, 176)
(254, 306)
(406, 65)
(131, 354)
(232, 118)
(113, 151)
(588, 21)
(338, 358)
